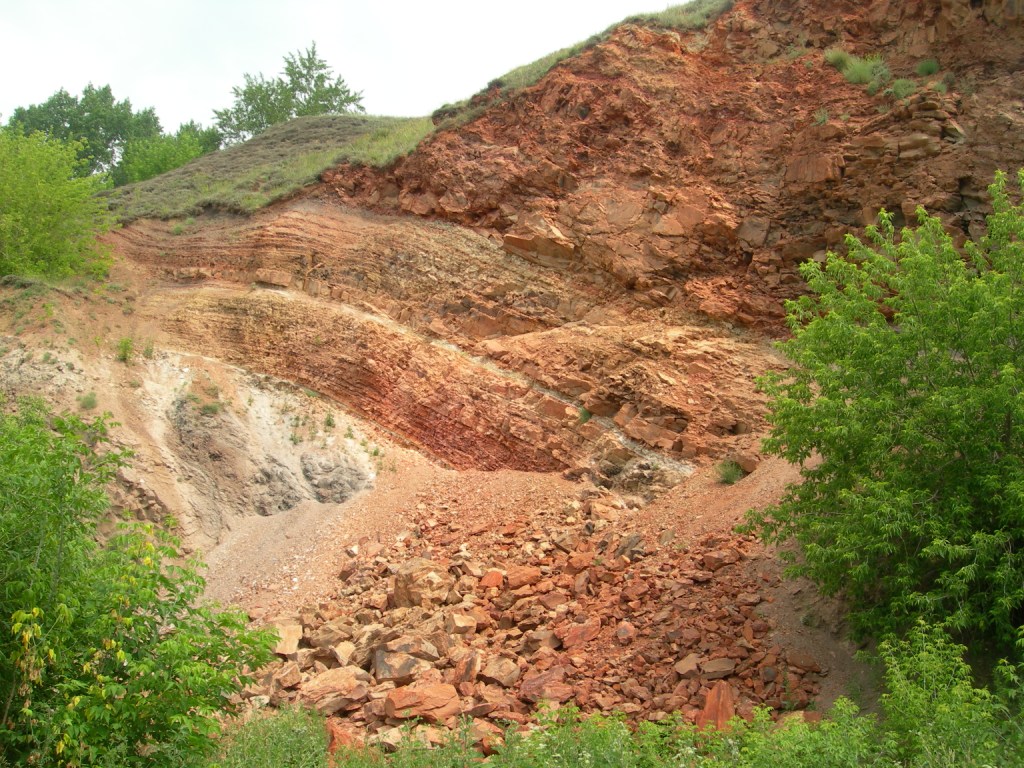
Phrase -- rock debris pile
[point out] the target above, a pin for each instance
(569, 607)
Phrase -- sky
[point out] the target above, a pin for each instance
(183, 57)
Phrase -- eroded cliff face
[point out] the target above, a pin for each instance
(700, 169)
(460, 348)
(564, 282)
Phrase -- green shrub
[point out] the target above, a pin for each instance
(905, 369)
(105, 657)
(125, 349)
(927, 67)
(87, 401)
(49, 217)
(145, 158)
(584, 415)
(729, 472)
(933, 713)
(820, 116)
(329, 421)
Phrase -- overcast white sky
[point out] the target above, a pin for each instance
(182, 57)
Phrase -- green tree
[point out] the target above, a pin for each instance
(49, 215)
(905, 406)
(148, 157)
(100, 124)
(105, 657)
(308, 87)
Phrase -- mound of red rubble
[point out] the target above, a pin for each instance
(567, 607)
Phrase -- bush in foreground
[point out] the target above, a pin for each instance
(49, 215)
(908, 365)
(105, 657)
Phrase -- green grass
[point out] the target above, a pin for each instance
(927, 67)
(901, 88)
(271, 166)
(688, 16)
(729, 472)
(289, 738)
(838, 58)
(858, 71)
(387, 143)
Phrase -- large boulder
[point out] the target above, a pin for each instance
(336, 690)
(421, 583)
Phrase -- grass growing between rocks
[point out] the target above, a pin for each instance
(290, 738)
(932, 716)
(271, 166)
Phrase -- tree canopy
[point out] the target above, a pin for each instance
(308, 86)
(49, 214)
(905, 406)
(100, 124)
(151, 156)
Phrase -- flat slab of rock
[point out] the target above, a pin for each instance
(578, 634)
(718, 668)
(339, 689)
(433, 703)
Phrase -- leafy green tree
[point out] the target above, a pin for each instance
(145, 158)
(905, 407)
(100, 124)
(313, 88)
(308, 87)
(105, 656)
(49, 215)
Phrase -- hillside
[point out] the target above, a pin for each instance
(477, 396)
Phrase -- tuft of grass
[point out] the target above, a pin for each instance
(927, 67)
(87, 401)
(329, 421)
(838, 58)
(858, 71)
(871, 71)
(585, 415)
(901, 88)
(820, 116)
(729, 472)
(210, 409)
